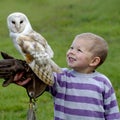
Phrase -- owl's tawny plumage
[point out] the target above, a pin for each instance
(33, 47)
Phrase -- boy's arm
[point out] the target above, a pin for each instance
(111, 105)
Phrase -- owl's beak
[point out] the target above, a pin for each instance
(17, 28)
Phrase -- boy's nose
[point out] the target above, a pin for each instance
(72, 51)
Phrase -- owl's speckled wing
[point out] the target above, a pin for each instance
(38, 59)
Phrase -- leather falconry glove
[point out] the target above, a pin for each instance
(11, 67)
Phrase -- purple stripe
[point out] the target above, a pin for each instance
(80, 99)
(112, 104)
(80, 86)
(109, 93)
(79, 112)
(103, 80)
(59, 75)
(113, 116)
(56, 118)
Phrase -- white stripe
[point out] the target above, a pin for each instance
(72, 117)
(81, 93)
(82, 106)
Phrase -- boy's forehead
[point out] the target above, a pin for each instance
(82, 44)
(80, 41)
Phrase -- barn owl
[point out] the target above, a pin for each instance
(33, 47)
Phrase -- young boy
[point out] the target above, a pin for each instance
(82, 93)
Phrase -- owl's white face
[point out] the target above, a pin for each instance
(17, 22)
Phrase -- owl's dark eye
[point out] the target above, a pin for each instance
(21, 21)
(13, 22)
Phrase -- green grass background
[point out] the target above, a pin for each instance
(59, 21)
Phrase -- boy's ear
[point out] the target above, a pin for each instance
(95, 61)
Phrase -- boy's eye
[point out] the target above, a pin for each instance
(71, 47)
(80, 50)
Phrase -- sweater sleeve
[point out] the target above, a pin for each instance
(111, 105)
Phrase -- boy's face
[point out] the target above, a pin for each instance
(79, 57)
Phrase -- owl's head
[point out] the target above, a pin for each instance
(18, 23)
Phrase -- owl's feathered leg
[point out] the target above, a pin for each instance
(54, 66)
(45, 73)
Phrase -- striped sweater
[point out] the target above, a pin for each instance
(83, 97)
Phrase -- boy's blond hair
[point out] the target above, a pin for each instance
(99, 46)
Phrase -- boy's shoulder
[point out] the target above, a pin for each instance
(102, 78)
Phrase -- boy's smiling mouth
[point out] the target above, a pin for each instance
(71, 59)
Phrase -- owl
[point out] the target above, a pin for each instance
(33, 47)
